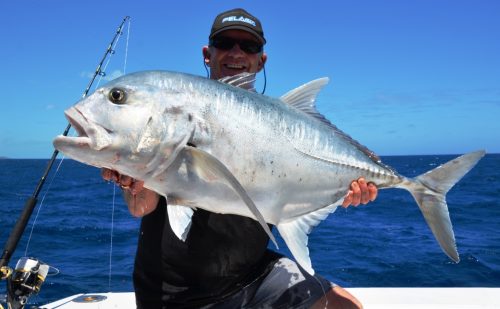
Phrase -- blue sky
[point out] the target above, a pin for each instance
(406, 77)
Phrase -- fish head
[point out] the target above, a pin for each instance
(125, 125)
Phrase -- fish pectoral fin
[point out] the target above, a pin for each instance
(295, 234)
(179, 217)
(210, 167)
(164, 157)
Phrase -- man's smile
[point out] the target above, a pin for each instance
(235, 66)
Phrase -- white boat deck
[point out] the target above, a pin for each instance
(411, 298)
(371, 298)
(125, 300)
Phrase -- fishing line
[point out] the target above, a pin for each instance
(41, 205)
(101, 75)
(114, 187)
(111, 237)
(126, 49)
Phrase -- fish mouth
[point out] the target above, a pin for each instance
(76, 120)
(90, 134)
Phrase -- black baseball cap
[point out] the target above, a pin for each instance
(237, 19)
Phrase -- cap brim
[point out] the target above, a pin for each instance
(238, 27)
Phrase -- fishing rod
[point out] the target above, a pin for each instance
(29, 206)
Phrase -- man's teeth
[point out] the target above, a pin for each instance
(235, 66)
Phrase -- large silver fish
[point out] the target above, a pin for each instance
(207, 144)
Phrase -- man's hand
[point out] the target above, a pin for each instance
(360, 193)
(125, 182)
(140, 201)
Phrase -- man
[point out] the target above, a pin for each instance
(224, 262)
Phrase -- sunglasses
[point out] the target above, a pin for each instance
(225, 43)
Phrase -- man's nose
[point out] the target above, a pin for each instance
(236, 50)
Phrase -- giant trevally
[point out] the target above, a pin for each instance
(206, 144)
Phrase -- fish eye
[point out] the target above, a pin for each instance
(117, 96)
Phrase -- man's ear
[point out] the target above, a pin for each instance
(262, 60)
(206, 54)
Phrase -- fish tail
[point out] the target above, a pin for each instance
(429, 191)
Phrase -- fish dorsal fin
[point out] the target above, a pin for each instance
(295, 234)
(243, 80)
(303, 98)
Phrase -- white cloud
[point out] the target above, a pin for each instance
(114, 74)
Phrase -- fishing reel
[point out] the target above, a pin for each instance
(26, 279)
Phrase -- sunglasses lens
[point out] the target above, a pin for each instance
(250, 47)
(247, 46)
(223, 43)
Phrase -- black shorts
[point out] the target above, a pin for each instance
(286, 286)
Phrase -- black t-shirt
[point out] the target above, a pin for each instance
(221, 254)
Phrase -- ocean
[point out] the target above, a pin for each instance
(82, 228)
